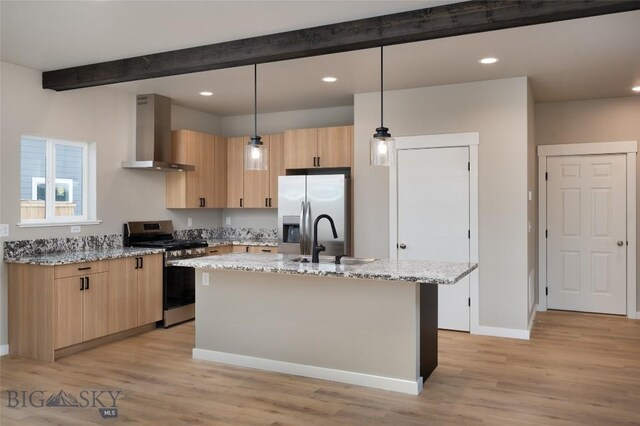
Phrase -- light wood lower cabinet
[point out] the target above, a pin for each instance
(220, 250)
(262, 249)
(56, 307)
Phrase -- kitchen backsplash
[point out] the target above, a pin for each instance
(18, 248)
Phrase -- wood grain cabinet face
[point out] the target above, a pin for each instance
(123, 294)
(276, 167)
(150, 289)
(325, 147)
(206, 185)
(335, 146)
(235, 171)
(300, 148)
(262, 249)
(220, 250)
(95, 306)
(68, 313)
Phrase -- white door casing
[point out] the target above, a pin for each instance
(443, 207)
(586, 243)
(628, 149)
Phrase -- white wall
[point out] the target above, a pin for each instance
(598, 120)
(498, 111)
(188, 119)
(278, 122)
(102, 115)
(532, 206)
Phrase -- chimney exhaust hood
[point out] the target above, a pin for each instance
(153, 136)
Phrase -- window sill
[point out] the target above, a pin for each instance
(47, 224)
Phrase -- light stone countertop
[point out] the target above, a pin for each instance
(64, 258)
(241, 242)
(383, 269)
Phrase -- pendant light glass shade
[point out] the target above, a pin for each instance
(382, 145)
(255, 153)
(382, 148)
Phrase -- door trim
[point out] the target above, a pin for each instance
(470, 140)
(630, 148)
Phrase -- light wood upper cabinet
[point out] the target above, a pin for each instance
(254, 188)
(335, 146)
(276, 166)
(300, 148)
(150, 289)
(235, 171)
(324, 147)
(206, 185)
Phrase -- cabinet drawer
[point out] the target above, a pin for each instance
(79, 269)
(262, 249)
(220, 250)
(240, 249)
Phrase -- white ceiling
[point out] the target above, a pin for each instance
(579, 59)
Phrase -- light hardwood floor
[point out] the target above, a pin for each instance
(577, 369)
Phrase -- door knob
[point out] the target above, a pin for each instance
(403, 246)
(620, 243)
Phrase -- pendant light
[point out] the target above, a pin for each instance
(255, 155)
(382, 145)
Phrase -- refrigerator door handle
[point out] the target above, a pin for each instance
(302, 227)
(309, 229)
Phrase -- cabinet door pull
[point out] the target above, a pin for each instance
(137, 263)
(213, 251)
(269, 201)
(246, 249)
(318, 161)
(266, 202)
(86, 283)
(141, 262)
(204, 202)
(314, 161)
(241, 203)
(266, 250)
(86, 268)
(81, 283)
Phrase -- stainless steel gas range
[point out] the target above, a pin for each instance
(179, 283)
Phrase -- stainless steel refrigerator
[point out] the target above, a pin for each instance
(301, 199)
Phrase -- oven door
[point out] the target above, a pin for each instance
(179, 286)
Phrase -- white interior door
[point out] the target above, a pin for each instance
(433, 220)
(586, 242)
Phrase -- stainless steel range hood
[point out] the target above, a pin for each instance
(153, 136)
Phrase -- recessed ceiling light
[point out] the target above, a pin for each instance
(487, 61)
(206, 93)
(329, 79)
(636, 89)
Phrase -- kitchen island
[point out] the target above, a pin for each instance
(372, 324)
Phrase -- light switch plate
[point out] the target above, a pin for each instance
(189, 222)
(4, 230)
(205, 278)
(75, 229)
(227, 220)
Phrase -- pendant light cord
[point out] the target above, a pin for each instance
(255, 99)
(381, 86)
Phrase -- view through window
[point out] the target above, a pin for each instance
(52, 180)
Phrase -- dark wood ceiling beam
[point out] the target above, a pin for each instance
(418, 25)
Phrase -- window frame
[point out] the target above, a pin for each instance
(88, 181)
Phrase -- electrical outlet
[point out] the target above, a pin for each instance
(189, 222)
(530, 226)
(227, 220)
(4, 230)
(75, 229)
(205, 278)
(530, 195)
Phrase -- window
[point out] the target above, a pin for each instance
(55, 181)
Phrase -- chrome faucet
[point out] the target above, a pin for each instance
(315, 258)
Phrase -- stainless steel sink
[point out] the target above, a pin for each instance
(357, 260)
(307, 259)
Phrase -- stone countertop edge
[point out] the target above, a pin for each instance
(56, 259)
(446, 273)
(240, 242)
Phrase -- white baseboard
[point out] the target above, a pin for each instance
(4, 350)
(511, 333)
(637, 316)
(378, 382)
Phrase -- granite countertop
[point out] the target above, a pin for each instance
(241, 242)
(383, 269)
(64, 258)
